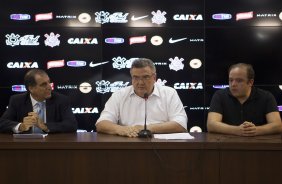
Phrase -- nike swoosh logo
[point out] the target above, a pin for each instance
(177, 40)
(97, 64)
(138, 18)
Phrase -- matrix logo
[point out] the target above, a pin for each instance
(61, 87)
(22, 65)
(65, 17)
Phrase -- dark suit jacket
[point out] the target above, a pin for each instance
(59, 115)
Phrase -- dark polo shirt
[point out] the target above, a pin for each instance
(254, 109)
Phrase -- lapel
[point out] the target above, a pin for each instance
(28, 105)
(50, 109)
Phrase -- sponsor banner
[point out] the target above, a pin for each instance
(43, 16)
(55, 64)
(20, 16)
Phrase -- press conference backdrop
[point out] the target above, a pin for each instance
(87, 47)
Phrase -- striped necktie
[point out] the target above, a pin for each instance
(40, 111)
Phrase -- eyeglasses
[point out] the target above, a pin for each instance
(143, 78)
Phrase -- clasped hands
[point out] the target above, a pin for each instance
(130, 131)
(247, 129)
(30, 120)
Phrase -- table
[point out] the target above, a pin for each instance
(100, 158)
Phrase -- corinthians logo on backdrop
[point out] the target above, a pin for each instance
(176, 63)
(106, 87)
(27, 40)
(158, 17)
(103, 17)
(52, 40)
(121, 62)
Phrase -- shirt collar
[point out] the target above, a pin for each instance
(33, 101)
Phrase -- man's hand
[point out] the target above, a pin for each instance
(247, 129)
(28, 122)
(130, 131)
(39, 122)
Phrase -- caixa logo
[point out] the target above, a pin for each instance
(22, 65)
(76, 63)
(85, 110)
(188, 85)
(19, 88)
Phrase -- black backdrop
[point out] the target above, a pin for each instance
(95, 54)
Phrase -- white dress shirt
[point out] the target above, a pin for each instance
(124, 107)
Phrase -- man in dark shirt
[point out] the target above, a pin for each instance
(243, 109)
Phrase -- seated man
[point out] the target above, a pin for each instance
(124, 112)
(243, 109)
(39, 109)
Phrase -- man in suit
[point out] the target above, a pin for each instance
(22, 115)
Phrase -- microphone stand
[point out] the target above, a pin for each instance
(145, 133)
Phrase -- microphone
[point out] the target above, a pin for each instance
(145, 133)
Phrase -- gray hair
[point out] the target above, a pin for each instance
(143, 62)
